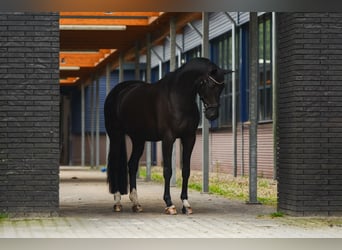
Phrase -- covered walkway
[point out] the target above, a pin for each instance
(86, 212)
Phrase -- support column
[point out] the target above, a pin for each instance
(253, 106)
(172, 68)
(148, 79)
(234, 122)
(205, 122)
(121, 67)
(97, 146)
(137, 77)
(108, 88)
(137, 62)
(310, 106)
(29, 162)
(82, 126)
(92, 124)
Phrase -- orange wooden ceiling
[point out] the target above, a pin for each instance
(85, 52)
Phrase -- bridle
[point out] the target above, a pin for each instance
(212, 82)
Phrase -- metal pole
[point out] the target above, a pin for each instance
(108, 67)
(82, 126)
(205, 122)
(97, 122)
(148, 79)
(121, 67)
(253, 106)
(92, 125)
(172, 68)
(234, 123)
(242, 86)
(274, 93)
(234, 99)
(160, 69)
(137, 62)
(137, 77)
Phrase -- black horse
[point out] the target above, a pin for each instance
(163, 112)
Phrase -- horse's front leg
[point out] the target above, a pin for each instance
(137, 151)
(188, 144)
(167, 172)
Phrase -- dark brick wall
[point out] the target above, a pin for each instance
(29, 113)
(310, 113)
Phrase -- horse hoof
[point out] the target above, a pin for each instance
(117, 208)
(137, 208)
(187, 210)
(171, 210)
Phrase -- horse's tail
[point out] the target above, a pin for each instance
(117, 172)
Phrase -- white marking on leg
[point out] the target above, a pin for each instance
(186, 203)
(133, 196)
(117, 198)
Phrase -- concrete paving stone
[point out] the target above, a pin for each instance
(86, 212)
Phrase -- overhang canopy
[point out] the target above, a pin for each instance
(91, 40)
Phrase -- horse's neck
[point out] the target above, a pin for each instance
(185, 83)
(183, 91)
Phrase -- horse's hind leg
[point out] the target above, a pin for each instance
(117, 202)
(188, 144)
(137, 151)
(117, 168)
(167, 172)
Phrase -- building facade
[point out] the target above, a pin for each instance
(40, 121)
(221, 138)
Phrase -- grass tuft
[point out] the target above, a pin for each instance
(3, 216)
(277, 215)
(223, 184)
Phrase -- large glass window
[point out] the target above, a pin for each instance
(221, 55)
(195, 52)
(265, 68)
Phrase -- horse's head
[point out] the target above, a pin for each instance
(210, 89)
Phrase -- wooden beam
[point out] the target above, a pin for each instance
(83, 59)
(114, 14)
(95, 21)
(182, 20)
(68, 81)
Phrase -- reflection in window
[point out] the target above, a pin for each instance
(265, 69)
(221, 55)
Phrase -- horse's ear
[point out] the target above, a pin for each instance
(213, 72)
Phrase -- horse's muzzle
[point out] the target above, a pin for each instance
(211, 113)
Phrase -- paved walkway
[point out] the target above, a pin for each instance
(86, 211)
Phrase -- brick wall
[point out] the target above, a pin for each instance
(29, 113)
(310, 108)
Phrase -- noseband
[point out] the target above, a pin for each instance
(210, 106)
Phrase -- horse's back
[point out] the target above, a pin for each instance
(113, 99)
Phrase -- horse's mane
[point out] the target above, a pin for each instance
(187, 66)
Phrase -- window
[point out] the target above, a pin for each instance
(195, 52)
(265, 69)
(221, 55)
(243, 73)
